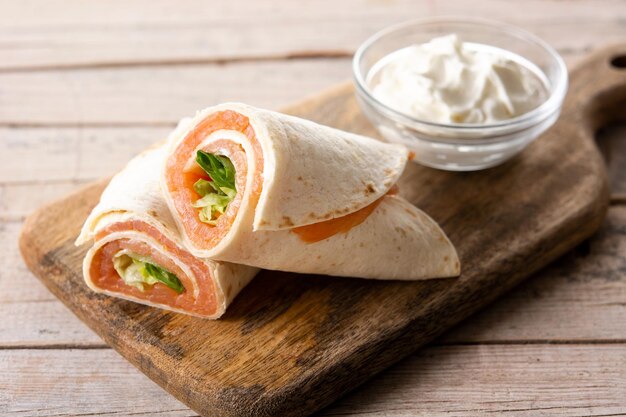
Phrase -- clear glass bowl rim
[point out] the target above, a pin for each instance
(547, 108)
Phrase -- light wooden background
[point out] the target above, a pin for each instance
(86, 85)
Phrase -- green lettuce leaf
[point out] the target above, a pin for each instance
(217, 193)
(210, 205)
(139, 273)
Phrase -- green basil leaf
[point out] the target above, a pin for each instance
(219, 168)
(217, 193)
(138, 273)
(165, 277)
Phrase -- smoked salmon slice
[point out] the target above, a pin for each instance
(264, 189)
(137, 253)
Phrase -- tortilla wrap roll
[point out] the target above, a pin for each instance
(261, 188)
(138, 254)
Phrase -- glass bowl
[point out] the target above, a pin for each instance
(461, 146)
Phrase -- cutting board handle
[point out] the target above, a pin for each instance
(597, 92)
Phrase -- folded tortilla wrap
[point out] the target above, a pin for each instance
(138, 254)
(265, 189)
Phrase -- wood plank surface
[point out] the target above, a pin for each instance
(42, 34)
(36, 382)
(612, 142)
(88, 97)
(522, 380)
(75, 156)
(580, 298)
(282, 364)
(566, 302)
(74, 37)
(69, 154)
(38, 319)
(519, 380)
(18, 200)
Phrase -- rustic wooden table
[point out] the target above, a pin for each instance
(86, 85)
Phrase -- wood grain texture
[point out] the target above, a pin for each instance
(41, 34)
(78, 155)
(612, 141)
(52, 324)
(18, 200)
(112, 97)
(289, 338)
(448, 381)
(101, 384)
(521, 381)
(579, 298)
(70, 35)
(71, 154)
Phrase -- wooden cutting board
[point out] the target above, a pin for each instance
(290, 344)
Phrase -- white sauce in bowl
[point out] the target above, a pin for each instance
(450, 81)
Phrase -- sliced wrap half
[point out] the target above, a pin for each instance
(261, 188)
(138, 255)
